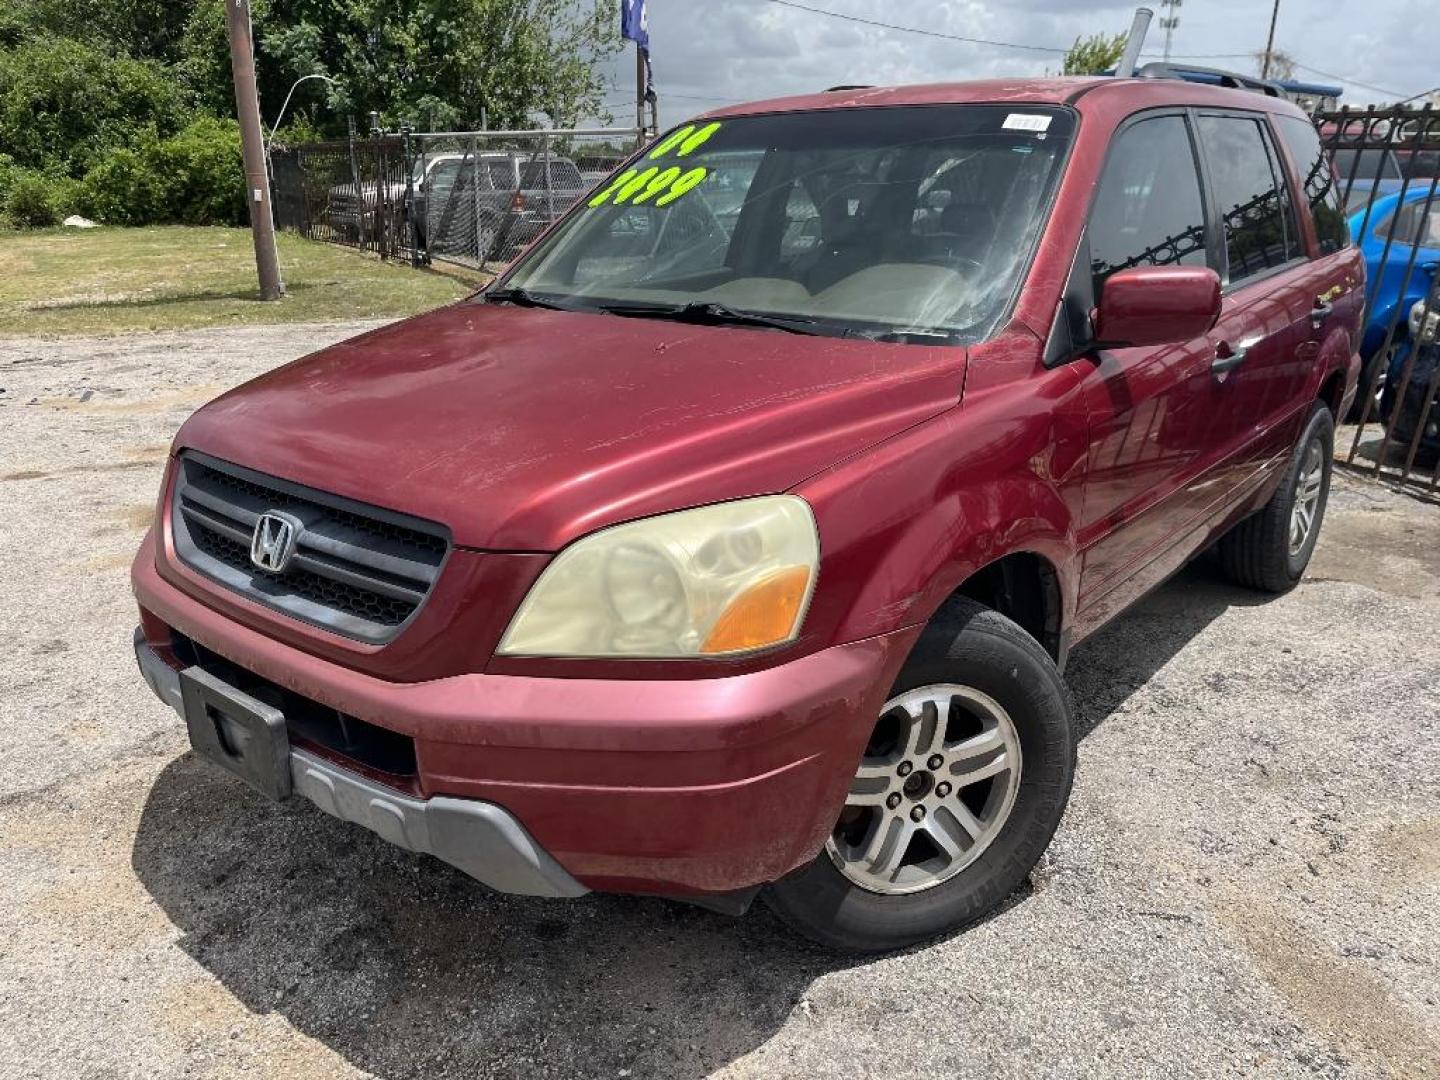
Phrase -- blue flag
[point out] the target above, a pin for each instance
(634, 26)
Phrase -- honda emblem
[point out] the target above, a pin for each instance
(273, 545)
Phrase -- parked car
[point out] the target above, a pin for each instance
(1411, 400)
(1392, 229)
(750, 564)
(515, 196)
(1363, 172)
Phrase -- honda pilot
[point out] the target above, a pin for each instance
(732, 543)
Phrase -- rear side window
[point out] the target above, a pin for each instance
(1250, 195)
(1148, 211)
(1317, 180)
(563, 174)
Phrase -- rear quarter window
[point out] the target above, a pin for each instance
(1317, 181)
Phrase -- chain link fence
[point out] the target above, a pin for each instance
(469, 197)
(1387, 165)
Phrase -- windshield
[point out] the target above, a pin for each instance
(915, 222)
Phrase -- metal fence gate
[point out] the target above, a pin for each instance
(469, 197)
(1387, 164)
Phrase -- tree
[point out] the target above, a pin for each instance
(141, 29)
(1282, 64)
(63, 103)
(416, 60)
(1094, 55)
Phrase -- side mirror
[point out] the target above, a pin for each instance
(1156, 305)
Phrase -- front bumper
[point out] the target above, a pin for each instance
(479, 838)
(677, 787)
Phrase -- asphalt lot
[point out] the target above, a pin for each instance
(1247, 880)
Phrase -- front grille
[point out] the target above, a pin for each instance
(357, 570)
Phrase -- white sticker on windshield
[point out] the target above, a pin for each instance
(1026, 122)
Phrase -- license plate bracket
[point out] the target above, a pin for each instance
(237, 732)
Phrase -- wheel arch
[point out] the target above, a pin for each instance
(1332, 391)
(1025, 587)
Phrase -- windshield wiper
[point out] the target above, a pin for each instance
(909, 335)
(706, 313)
(513, 294)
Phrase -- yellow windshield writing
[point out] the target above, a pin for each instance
(660, 184)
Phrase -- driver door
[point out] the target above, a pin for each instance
(1157, 415)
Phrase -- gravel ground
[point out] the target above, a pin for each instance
(1247, 880)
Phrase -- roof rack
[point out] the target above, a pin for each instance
(1214, 76)
(849, 86)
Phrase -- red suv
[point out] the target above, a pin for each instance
(734, 540)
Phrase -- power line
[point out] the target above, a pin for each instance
(1035, 48)
(980, 41)
(1349, 82)
(918, 30)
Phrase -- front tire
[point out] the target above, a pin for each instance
(960, 789)
(1270, 549)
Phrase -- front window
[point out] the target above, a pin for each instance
(903, 223)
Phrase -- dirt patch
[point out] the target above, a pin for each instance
(1333, 994)
(1391, 545)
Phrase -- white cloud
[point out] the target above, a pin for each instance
(711, 52)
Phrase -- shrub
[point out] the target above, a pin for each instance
(35, 201)
(123, 189)
(203, 173)
(63, 103)
(195, 178)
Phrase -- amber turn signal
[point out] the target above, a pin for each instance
(764, 614)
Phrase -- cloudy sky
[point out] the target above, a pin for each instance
(710, 52)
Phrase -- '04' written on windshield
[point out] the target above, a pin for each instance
(660, 182)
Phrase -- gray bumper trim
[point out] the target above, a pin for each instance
(160, 676)
(479, 838)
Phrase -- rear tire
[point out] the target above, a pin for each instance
(1008, 722)
(1270, 549)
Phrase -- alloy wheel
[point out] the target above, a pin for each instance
(1307, 496)
(934, 789)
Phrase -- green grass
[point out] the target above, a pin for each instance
(103, 281)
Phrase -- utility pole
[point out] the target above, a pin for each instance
(1270, 41)
(1169, 22)
(252, 146)
(640, 89)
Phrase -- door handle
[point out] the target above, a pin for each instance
(1320, 312)
(1228, 357)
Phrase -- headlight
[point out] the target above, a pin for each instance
(714, 581)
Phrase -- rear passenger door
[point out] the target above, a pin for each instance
(1265, 346)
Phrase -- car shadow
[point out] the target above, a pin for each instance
(399, 963)
(1108, 667)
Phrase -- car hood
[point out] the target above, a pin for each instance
(522, 429)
